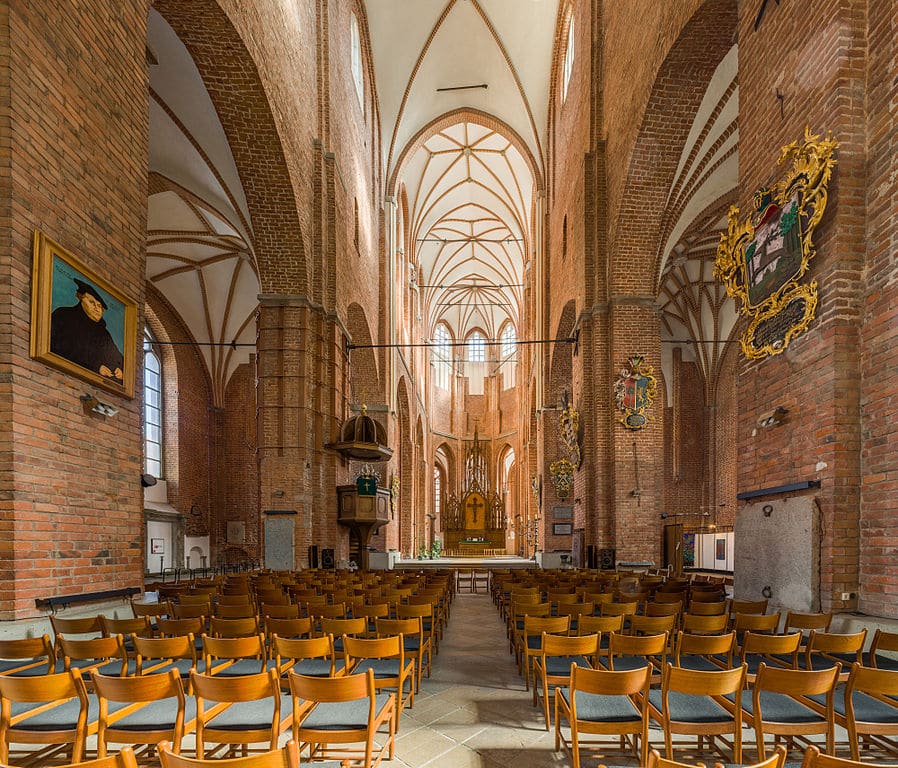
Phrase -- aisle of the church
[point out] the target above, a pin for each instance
(474, 710)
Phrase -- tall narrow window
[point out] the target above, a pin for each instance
(437, 491)
(152, 410)
(568, 58)
(355, 48)
(476, 348)
(509, 342)
(442, 357)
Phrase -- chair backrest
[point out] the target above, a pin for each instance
(177, 647)
(162, 608)
(178, 627)
(278, 611)
(240, 688)
(669, 608)
(406, 627)
(590, 625)
(191, 610)
(93, 649)
(814, 758)
(756, 622)
(747, 606)
(776, 760)
(882, 641)
(372, 648)
(781, 645)
(140, 688)
(576, 609)
(638, 645)
(124, 758)
(536, 625)
(878, 683)
(30, 651)
(604, 682)
(285, 649)
(139, 625)
(832, 643)
(292, 627)
(243, 627)
(332, 689)
(285, 757)
(699, 624)
(235, 610)
(708, 607)
(252, 647)
(652, 625)
(619, 609)
(83, 625)
(704, 683)
(704, 645)
(340, 627)
(570, 645)
(196, 598)
(43, 688)
(796, 682)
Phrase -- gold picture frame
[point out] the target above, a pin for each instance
(80, 323)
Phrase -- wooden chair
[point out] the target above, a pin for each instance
(528, 644)
(870, 708)
(425, 613)
(602, 626)
(386, 658)
(708, 608)
(155, 655)
(286, 757)
(275, 611)
(106, 655)
(805, 622)
(145, 710)
(552, 667)
(151, 610)
(27, 656)
(248, 709)
(235, 611)
(628, 652)
(339, 628)
(235, 656)
(342, 711)
(826, 649)
(688, 703)
(139, 625)
(481, 580)
(706, 653)
(417, 646)
(746, 606)
(236, 627)
(287, 627)
(814, 758)
(195, 626)
(82, 625)
(310, 656)
(776, 760)
(884, 642)
(776, 705)
(59, 714)
(670, 608)
(464, 580)
(600, 702)
(191, 610)
(123, 759)
(700, 624)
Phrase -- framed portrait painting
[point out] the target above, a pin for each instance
(80, 323)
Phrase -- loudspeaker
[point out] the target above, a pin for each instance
(607, 559)
(592, 556)
(313, 556)
(327, 558)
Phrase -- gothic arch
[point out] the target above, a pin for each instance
(235, 87)
(561, 369)
(675, 97)
(364, 376)
(405, 469)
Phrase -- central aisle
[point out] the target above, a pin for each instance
(474, 710)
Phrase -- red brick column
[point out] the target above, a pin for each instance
(301, 400)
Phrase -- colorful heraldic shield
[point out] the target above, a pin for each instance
(763, 259)
(634, 392)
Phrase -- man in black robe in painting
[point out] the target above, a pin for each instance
(78, 333)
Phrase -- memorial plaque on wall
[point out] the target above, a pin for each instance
(563, 513)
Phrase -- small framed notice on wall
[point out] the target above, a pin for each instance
(563, 513)
(157, 546)
(562, 529)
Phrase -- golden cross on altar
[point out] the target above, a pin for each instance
(474, 505)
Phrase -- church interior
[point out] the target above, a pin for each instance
(388, 286)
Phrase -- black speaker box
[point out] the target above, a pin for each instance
(327, 558)
(607, 559)
(313, 556)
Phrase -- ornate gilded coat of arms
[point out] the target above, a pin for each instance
(634, 391)
(761, 259)
(570, 430)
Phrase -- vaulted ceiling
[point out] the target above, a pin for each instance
(469, 184)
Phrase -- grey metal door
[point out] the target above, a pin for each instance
(279, 542)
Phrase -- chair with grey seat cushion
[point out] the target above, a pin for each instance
(142, 710)
(313, 656)
(814, 758)
(601, 702)
(242, 709)
(552, 667)
(705, 653)
(27, 656)
(689, 703)
(331, 713)
(883, 652)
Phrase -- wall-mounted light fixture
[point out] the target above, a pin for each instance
(92, 404)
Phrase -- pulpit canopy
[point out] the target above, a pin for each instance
(362, 438)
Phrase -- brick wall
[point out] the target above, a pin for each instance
(75, 121)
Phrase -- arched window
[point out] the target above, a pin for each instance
(437, 491)
(442, 356)
(568, 57)
(476, 348)
(355, 48)
(509, 357)
(152, 409)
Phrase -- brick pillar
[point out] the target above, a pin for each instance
(635, 519)
(302, 400)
